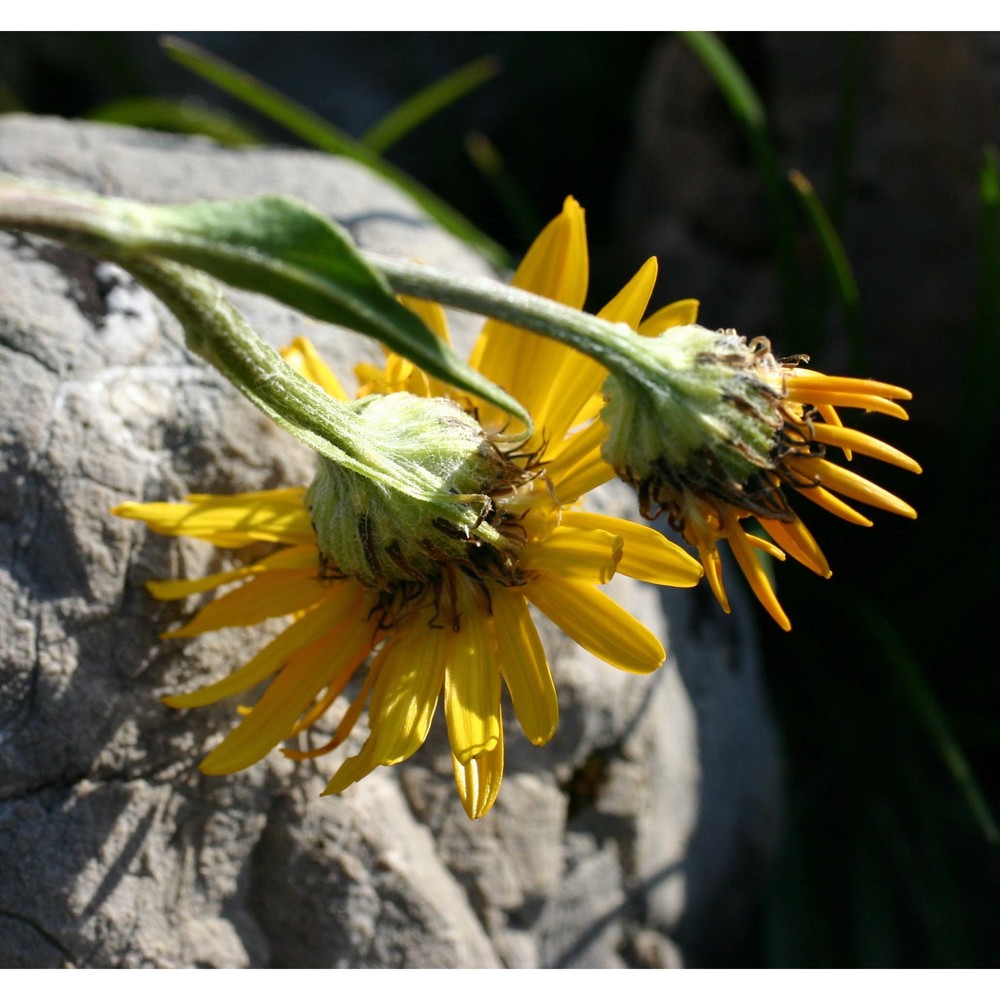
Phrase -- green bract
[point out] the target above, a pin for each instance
(710, 420)
(381, 532)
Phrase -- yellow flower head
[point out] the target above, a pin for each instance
(435, 615)
(729, 433)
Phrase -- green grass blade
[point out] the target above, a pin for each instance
(9, 101)
(839, 265)
(748, 110)
(324, 136)
(426, 103)
(167, 115)
(511, 195)
(847, 124)
(926, 711)
(984, 374)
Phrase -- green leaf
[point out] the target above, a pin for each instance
(285, 249)
(428, 102)
(273, 245)
(187, 116)
(326, 137)
(839, 265)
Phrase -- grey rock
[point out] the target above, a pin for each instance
(619, 843)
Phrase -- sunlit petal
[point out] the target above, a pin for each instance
(597, 623)
(229, 522)
(290, 693)
(270, 595)
(583, 553)
(684, 312)
(299, 557)
(305, 359)
(478, 780)
(646, 555)
(342, 603)
(525, 667)
(472, 683)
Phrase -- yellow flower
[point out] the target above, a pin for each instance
(462, 627)
(736, 430)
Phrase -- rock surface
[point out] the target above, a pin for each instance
(636, 837)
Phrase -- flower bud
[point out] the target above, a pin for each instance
(714, 431)
(432, 503)
(709, 420)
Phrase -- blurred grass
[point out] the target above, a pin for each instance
(888, 815)
(187, 116)
(749, 112)
(839, 266)
(982, 394)
(426, 103)
(327, 137)
(509, 193)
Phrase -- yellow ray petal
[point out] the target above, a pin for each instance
(299, 557)
(431, 313)
(798, 542)
(271, 595)
(828, 501)
(524, 666)
(851, 440)
(408, 674)
(597, 623)
(754, 572)
(346, 725)
(305, 359)
(832, 418)
(589, 554)
(290, 693)
(843, 383)
(370, 378)
(561, 457)
(282, 495)
(407, 690)
(478, 780)
(765, 545)
(630, 303)
(712, 561)
(851, 485)
(343, 603)
(472, 682)
(229, 522)
(683, 312)
(573, 378)
(353, 769)
(582, 478)
(858, 401)
(556, 267)
(647, 555)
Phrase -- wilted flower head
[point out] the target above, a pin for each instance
(723, 432)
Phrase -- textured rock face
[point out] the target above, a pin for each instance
(634, 838)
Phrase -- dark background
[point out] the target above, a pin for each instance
(886, 691)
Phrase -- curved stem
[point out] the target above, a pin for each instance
(613, 345)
